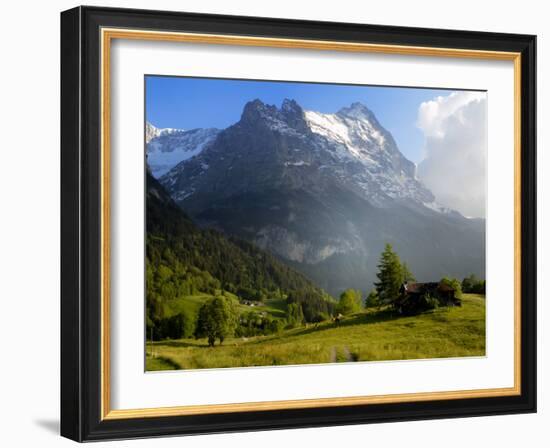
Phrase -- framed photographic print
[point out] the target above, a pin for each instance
(276, 224)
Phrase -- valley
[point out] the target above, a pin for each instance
(369, 335)
(292, 237)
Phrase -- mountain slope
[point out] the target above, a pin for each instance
(175, 242)
(168, 147)
(152, 132)
(324, 192)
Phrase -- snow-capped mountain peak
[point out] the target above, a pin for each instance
(289, 119)
(167, 147)
(350, 147)
(355, 136)
(357, 111)
(152, 131)
(314, 188)
(291, 106)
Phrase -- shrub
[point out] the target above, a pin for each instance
(453, 283)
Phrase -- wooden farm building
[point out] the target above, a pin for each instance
(414, 296)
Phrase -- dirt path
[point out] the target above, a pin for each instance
(347, 354)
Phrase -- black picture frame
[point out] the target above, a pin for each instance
(81, 224)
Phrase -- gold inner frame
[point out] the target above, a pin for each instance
(107, 35)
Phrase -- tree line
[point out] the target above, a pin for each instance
(473, 284)
(218, 318)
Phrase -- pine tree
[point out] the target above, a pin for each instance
(372, 300)
(390, 276)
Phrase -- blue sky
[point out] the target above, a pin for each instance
(187, 103)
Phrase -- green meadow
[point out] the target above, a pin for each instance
(369, 335)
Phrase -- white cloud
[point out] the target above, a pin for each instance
(455, 152)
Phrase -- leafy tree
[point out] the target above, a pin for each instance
(217, 319)
(276, 326)
(295, 314)
(453, 283)
(164, 272)
(390, 276)
(312, 303)
(372, 300)
(189, 323)
(253, 323)
(350, 302)
(472, 284)
(480, 287)
(174, 326)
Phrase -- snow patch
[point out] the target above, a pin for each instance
(436, 207)
(174, 146)
(298, 163)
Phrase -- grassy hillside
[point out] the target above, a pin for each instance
(366, 336)
(190, 305)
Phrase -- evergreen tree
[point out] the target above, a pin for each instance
(372, 300)
(472, 284)
(390, 276)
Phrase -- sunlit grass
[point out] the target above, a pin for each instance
(366, 336)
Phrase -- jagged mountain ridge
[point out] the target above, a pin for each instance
(351, 144)
(167, 147)
(152, 132)
(324, 192)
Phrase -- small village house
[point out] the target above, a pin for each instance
(417, 297)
